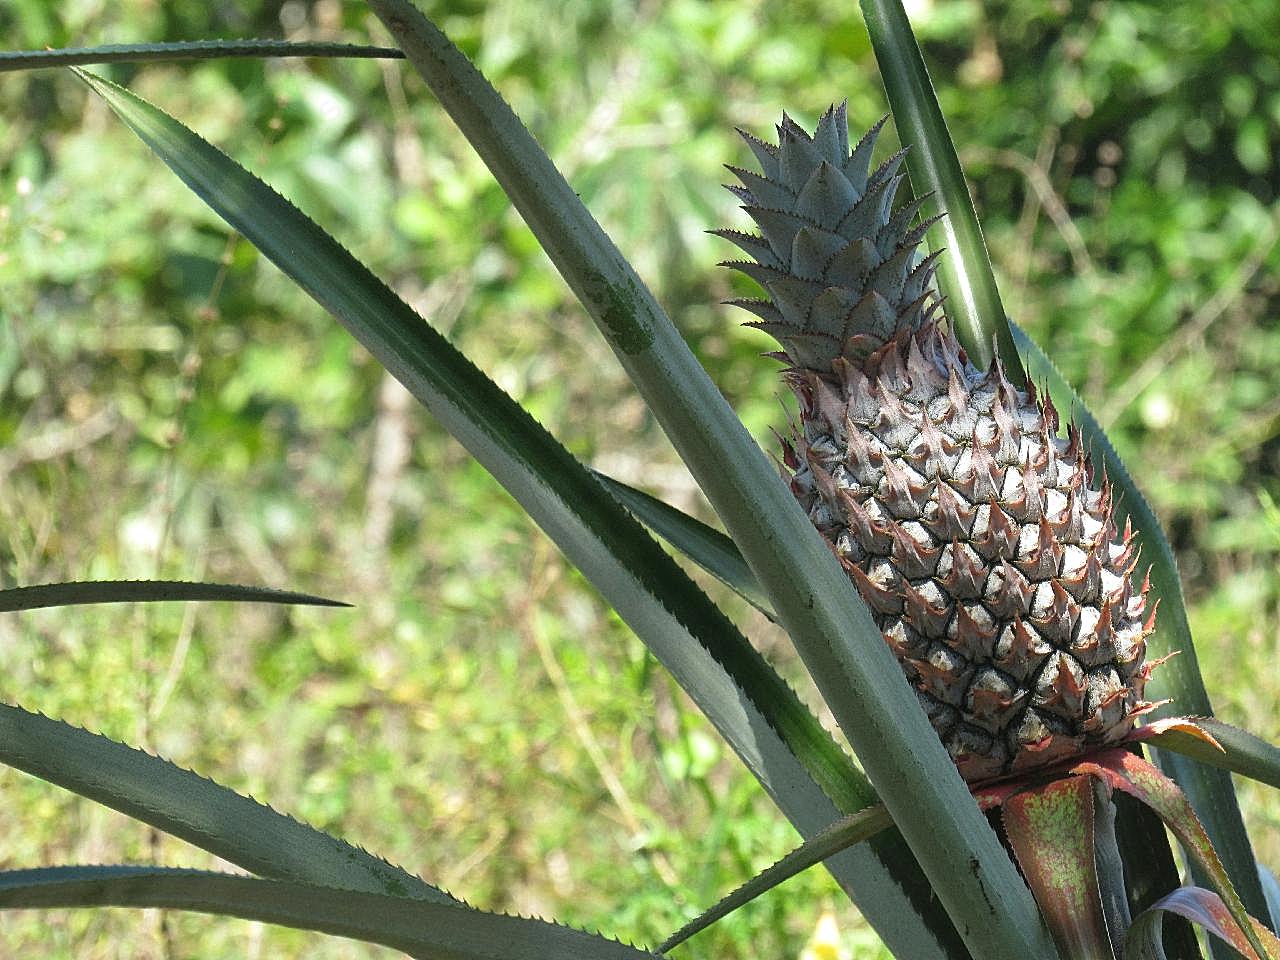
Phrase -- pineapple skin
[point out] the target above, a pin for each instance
(978, 536)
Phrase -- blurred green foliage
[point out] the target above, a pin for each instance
(169, 405)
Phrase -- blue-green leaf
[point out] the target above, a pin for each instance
(831, 627)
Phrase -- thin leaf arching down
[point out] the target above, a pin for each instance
(432, 931)
(1241, 752)
(1202, 907)
(138, 591)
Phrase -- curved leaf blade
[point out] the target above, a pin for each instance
(1138, 778)
(1200, 906)
(704, 545)
(432, 931)
(1241, 752)
(177, 801)
(1179, 679)
(761, 718)
(830, 625)
(965, 276)
(184, 50)
(136, 591)
(841, 835)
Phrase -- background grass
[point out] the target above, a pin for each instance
(170, 406)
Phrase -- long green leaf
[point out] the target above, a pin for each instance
(964, 273)
(704, 545)
(431, 931)
(186, 50)
(758, 714)
(842, 834)
(830, 626)
(214, 818)
(135, 591)
(1179, 679)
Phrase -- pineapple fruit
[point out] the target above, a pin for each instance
(982, 541)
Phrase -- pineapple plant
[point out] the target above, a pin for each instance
(983, 542)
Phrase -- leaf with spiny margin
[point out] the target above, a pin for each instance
(825, 196)
(759, 715)
(841, 835)
(751, 244)
(859, 162)
(867, 217)
(832, 135)
(704, 545)
(766, 192)
(1179, 679)
(427, 930)
(185, 50)
(1204, 907)
(1241, 752)
(136, 591)
(1121, 770)
(234, 827)
(1051, 830)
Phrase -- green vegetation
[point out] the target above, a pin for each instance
(171, 406)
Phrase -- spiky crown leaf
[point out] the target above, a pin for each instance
(840, 267)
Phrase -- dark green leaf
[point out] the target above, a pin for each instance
(432, 931)
(136, 591)
(831, 627)
(965, 277)
(188, 50)
(238, 829)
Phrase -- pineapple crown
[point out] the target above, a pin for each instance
(841, 268)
